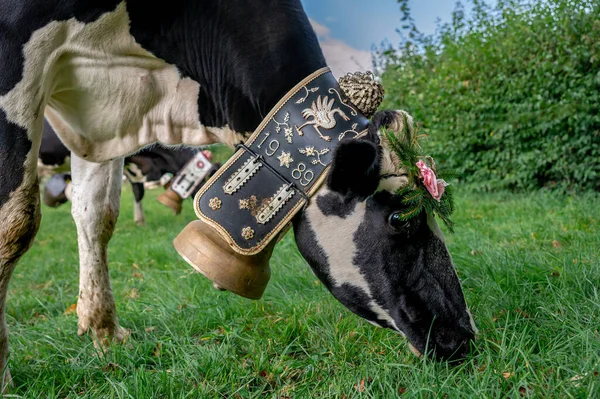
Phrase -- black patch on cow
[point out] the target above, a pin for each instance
(90, 10)
(138, 191)
(311, 250)
(155, 161)
(355, 168)
(52, 150)
(356, 300)
(244, 54)
(352, 297)
(407, 268)
(14, 147)
(20, 18)
(333, 204)
(383, 119)
(410, 273)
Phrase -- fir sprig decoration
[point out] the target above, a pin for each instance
(415, 194)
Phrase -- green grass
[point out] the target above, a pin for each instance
(529, 266)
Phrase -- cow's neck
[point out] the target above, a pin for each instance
(245, 55)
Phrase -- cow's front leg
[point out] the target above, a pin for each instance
(96, 196)
(19, 209)
(138, 209)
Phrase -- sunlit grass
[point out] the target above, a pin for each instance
(529, 266)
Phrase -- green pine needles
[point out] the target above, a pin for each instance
(426, 189)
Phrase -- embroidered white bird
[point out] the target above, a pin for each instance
(323, 116)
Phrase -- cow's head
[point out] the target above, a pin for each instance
(394, 273)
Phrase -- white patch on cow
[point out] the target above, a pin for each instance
(389, 159)
(134, 173)
(340, 249)
(383, 314)
(69, 191)
(164, 179)
(389, 166)
(472, 322)
(392, 184)
(106, 95)
(138, 213)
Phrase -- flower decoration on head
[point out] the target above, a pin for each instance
(435, 186)
(425, 190)
(207, 154)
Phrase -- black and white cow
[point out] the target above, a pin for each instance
(113, 76)
(146, 165)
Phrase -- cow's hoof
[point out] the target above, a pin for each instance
(218, 287)
(139, 220)
(171, 200)
(7, 382)
(206, 251)
(104, 337)
(120, 336)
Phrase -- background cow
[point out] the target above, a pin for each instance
(147, 165)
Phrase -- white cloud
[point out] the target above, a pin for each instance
(340, 56)
(321, 30)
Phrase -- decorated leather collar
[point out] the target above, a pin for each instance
(269, 179)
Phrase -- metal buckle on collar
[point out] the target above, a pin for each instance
(259, 160)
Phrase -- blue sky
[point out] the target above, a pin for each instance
(361, 23)
(348, 29)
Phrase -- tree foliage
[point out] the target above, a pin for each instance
(509, 96)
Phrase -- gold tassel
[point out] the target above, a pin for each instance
(363, 91)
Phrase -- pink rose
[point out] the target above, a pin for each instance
(207, 154)
(432, 184)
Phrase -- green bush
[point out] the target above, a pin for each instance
(508, 96)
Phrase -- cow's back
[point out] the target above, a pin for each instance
(117, 76)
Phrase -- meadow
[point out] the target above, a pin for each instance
(528, 263)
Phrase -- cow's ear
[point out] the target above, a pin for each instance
(355, 168)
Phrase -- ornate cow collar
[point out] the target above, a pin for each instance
(269, 179)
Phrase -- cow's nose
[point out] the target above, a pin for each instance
(460, 352)
(452, 345)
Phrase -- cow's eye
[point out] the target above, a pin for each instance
(396, 222)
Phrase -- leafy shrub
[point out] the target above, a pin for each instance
(508, 96)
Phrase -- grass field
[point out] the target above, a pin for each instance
(529, 266)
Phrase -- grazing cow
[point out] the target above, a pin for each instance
(149, 164)
(115, 75)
